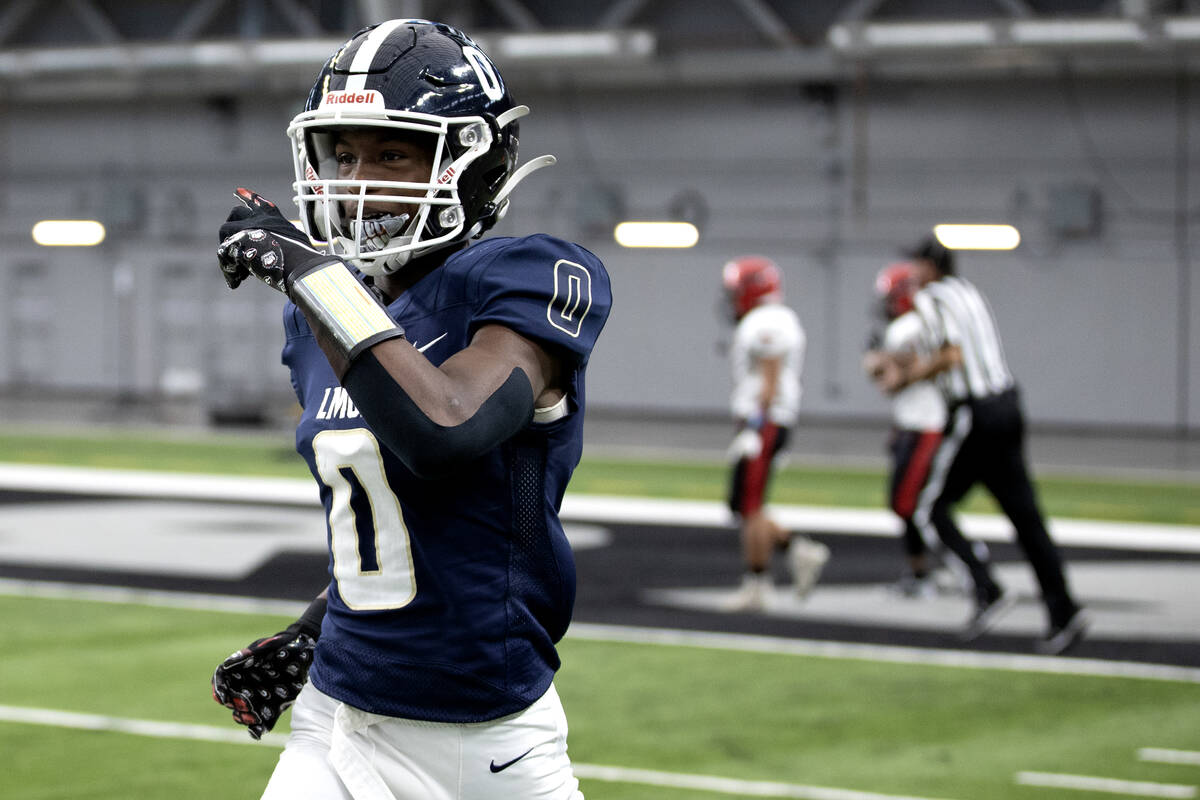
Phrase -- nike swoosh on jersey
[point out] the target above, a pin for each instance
(430, 344)
(494, 767)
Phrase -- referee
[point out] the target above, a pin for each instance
(983, 442)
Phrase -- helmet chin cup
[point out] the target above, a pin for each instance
(383, 265)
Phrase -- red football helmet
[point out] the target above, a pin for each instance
(750, 281)
(895, 286)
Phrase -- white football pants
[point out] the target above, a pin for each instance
(336, 752)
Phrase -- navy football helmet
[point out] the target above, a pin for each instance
(417, 78)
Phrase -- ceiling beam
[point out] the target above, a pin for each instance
(302, 20)
(14, 16)
(198, 16)
(1017, 8)
(859, 10)
(770, 24)
(96, 21)
(620, 13)
(516, 14)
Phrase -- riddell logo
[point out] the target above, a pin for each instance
(370, 97)
(311, 175)
(447, 175)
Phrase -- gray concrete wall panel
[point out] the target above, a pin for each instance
(1102, 327)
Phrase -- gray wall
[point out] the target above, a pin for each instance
(1100, 315)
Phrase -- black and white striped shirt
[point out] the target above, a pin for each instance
(955, 313)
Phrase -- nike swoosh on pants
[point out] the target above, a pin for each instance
(494, 767)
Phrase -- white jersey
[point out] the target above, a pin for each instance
(768, 331)
(918, 406)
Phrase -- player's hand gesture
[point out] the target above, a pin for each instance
(257, 240)
(259, 682)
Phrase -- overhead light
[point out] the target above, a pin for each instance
(977, 237)
(656, 234)
(930, 34)
(1182, 28)
(573, 45)
(68, 232)
(1079, 31)
(911, 35)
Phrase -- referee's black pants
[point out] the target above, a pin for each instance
(984, 443)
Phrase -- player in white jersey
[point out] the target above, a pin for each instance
(767, 357)
(918, 416)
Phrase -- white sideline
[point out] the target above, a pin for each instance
(712, 783)
(894, 654)
(1089, 783)
(232, 735)
(136, 727)
(1162, 755)
(577, 507)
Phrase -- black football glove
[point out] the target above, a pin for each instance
(257, 240)
(261, 681)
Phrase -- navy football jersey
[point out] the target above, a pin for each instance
(448, 595)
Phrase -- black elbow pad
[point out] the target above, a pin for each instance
(428, 449)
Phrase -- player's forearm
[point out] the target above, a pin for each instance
(921, 369)
(434, 443)
(771, 368)
(309, 622)
(346, 318)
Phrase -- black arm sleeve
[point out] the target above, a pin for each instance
(428, 449)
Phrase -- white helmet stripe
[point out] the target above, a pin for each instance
(357, 80)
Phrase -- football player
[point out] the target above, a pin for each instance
(767, 355)
(984, 442)
(918, 415)
(443, 392)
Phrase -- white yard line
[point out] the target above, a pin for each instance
(53, 590)
(963, 659)
(712, 783)
(1051, 665)
(577, 507)
(1162, 755)
(136, 727)
(1089, 783)
(234, 735)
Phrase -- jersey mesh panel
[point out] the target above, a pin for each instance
(529, 566)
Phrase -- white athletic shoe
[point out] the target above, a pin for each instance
(806, 558)
(752, 594)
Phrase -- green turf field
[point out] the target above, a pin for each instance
(258, 454)
(776, 723)
(894, 729)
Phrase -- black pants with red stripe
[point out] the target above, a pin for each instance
(912, 457)
(752, 476)
(984, 442)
